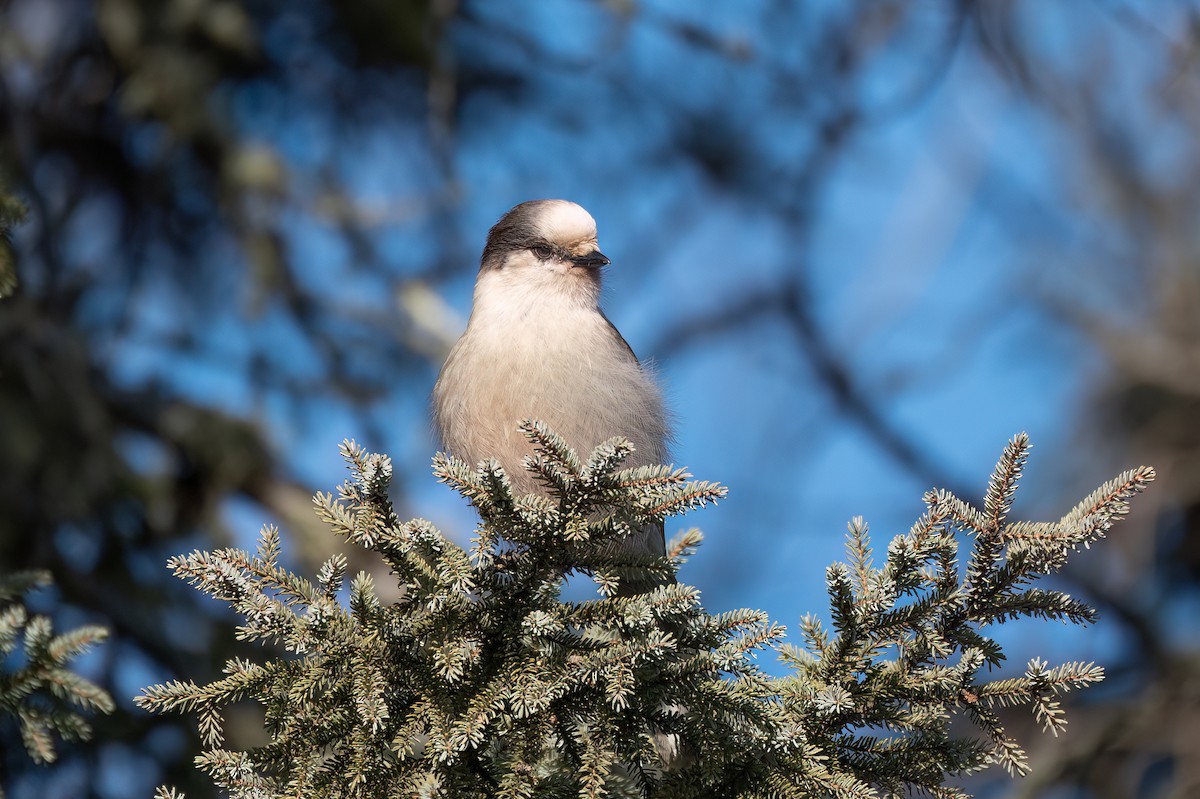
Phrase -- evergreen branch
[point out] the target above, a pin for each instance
(1092, 518)
(549, 473)
(605, 459)
(998, 499)
(15, 584)
(552, 446)
(684, 498)
(897, 632)
(480, 681)
(38, 688)
(684, 545)
(646, 477)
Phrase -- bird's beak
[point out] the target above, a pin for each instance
(591, 260)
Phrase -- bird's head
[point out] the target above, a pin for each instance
(545, 242)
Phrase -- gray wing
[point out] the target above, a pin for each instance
(617, 335)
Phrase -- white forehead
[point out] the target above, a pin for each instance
(563, 221)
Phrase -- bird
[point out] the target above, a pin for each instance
(538, 346)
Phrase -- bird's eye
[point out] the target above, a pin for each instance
(543, 253)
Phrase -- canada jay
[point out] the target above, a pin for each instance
(538, 346)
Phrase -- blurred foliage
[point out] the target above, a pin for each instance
(39, 693)
(11, 213)
(177, 160)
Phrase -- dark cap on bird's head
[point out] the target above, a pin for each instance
(555, 231)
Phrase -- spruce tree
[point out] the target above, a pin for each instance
(483, 681)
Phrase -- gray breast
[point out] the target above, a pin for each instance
(585, 386)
